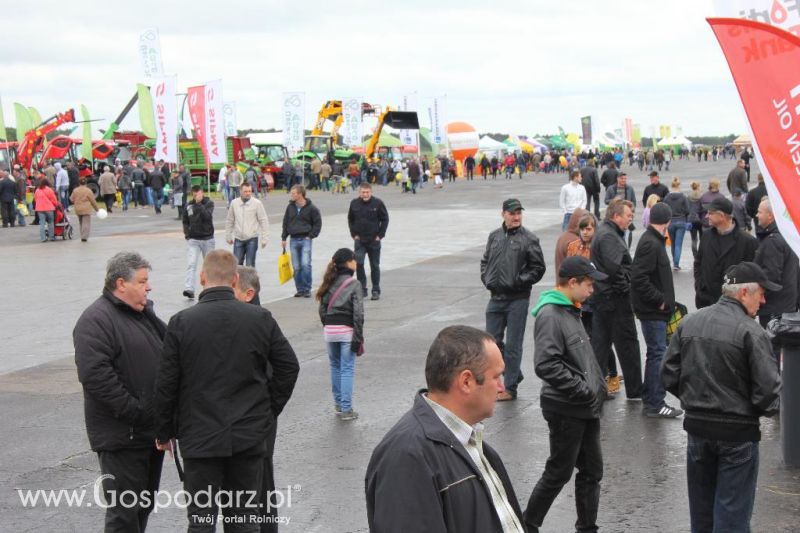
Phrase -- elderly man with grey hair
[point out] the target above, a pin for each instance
(720, 364)
(118, 341)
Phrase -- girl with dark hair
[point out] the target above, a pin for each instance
(341, 310)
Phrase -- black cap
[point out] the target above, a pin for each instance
(577, 266)
(653, 173)
(722, 204)
(747, 272)
(660, 213)
(512, 204)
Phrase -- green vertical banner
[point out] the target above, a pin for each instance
(146, 115)
(24, 120)
(86, 146)
(3, 134)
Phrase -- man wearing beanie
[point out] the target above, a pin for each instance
(653, 302)
(723, 245)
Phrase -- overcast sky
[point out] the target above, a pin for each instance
(523, 67)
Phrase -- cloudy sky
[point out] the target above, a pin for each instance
(515, 66)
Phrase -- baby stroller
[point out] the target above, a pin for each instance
(62, 227)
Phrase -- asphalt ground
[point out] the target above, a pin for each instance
(430, 280)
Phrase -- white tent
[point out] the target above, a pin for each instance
(487, 144)
(683, 141)
(668, 141)
(743, 140)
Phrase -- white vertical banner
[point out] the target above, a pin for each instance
(150, 53)
(229, 108)
(165, 107)
(437, 113)
(215, 123)
(352, 127)
(294, 119)
(409, 137)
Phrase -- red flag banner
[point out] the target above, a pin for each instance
(197, 111)
(765, 64)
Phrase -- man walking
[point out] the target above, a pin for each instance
(198, 229)
(8, 193)
(138, 178)
(654, 301)
(511, 265)
(62, 186)
(245, 222)
(157, 182)
(108, 187)
(216, 396)
(623, 191)
(572, 394)
(433, 471)
(368, 220)
(235, 179)
(572, 196)
(118, 341)
(655, 187)
(591, 183)
(723, 245)
(302, 222)
(737, 178)
(720, 364)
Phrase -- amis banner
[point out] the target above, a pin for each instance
(765, 64)
(351, 122)
(165, 108)
(150, 53)
(586, 129)
(294, 119)
(196, 100)
(784, 14)
(215, 123)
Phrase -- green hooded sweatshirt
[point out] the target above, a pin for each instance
(553, 296)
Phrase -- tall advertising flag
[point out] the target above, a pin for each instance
(146, 113)
(409, 137)
(215, 123)
(294, 119)
(781, 13)
(627, 129)
(351, 121)
(86, 145)
(765, 64)
(636, 136)
(165, 106)
(437, 112)
(229, 109)
(665, 131)
(196, 98)
(586, 129)
(24, 120)
(150, 53)
(3, 134)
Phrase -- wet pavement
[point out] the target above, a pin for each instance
(430, 280)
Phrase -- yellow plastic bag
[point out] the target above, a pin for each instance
(118, 197)
(285, 271)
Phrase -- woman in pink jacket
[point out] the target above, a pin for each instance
(46, 201)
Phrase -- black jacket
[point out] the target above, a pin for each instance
(589, 179)
(212, 391)
(609, 177)
(611, 256)
(753, 198)
(421, 479)
(306, 223)
(781, 266)
(651, 278)
(737, 180)
(715, 255)
(8, 190)
(720, 364)
(659, 190)
(117, 353)
(679, 204)
(512, 263)
(138, 177)
(367, 220)
(198, 220)
(157, 179)
(347, 310)
(572, 382)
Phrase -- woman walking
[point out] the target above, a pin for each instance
(695, 215)
(46, 201)
(83, 200)
(341, 310)
(679, 204)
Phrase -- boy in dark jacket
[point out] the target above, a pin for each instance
(302, 222)
(198, 229)
(573, 391)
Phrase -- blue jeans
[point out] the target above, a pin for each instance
(505, 320)
(722, 484)
(196, 248)
(676, 232)
(233, 194)
(300, 249)
(655, 337)
(343, 366)
(63, 196)
(46, 222)
(158, 198)
(126, 197)
(245, 251)
(565, 221)
(148, 194)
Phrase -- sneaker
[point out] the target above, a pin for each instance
(298, 294)
(348, 415)
(307, 294)
(664, 412)
(189, 294)
(337, 409)
(612, 382)
(376, 296)
(364, 293)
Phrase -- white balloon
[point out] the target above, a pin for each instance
(102, 213)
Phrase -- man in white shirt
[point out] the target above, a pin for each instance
(573, 196)
(246, 224)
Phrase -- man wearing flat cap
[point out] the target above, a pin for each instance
(720, 364)
(723, 245)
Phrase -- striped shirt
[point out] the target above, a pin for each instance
(471, 437)
(338, 333)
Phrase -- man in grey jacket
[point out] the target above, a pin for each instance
(246, 225)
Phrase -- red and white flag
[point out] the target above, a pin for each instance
(197, 111)
(765, 64)
(166, 117)
(215, 123)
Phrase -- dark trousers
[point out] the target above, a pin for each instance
(268, 500)
(722, 484)
(136, 470)
(240, 475)
(593, 197)
(613, 323)
(470, 173)
(245, 251)
(506, 320)
(574, 443)
(372, 250)
(9, 213)
(109, 199)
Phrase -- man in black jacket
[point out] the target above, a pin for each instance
(722, 246)
(653, 302)
(198, 230)
(719, 363)
(118, 341)
(302, 222)
(368, 220)
(591, 183)
(511, 265)
(433, 471)
(655, 187)
(573, 389)
(737, 178)
(157, 181)
(214, 393)
(610, 175)
(612, 320)
(8, 192)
